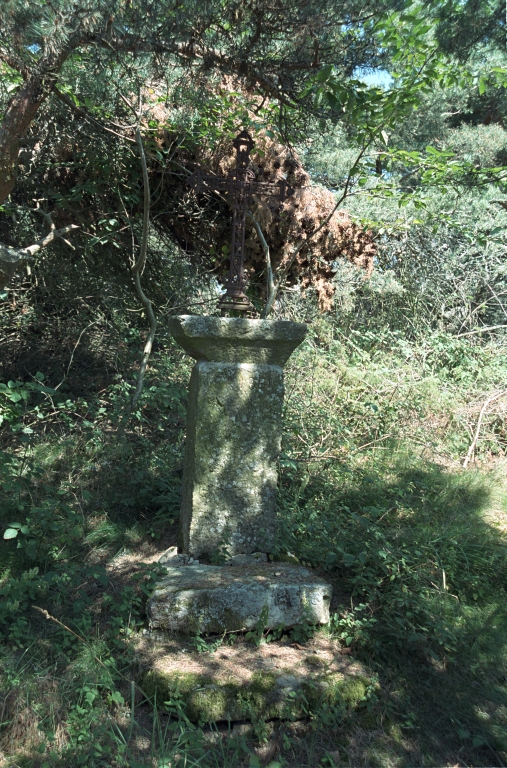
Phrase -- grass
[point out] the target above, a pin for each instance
(371, 494)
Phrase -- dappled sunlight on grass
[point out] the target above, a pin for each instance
(424, 573)
(370, 493)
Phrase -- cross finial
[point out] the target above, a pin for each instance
(240, 184)
(243, 144)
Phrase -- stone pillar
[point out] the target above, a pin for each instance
(234, 430)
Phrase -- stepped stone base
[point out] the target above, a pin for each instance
(209, 599)
(273, 681)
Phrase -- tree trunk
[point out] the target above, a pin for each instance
(20, 112)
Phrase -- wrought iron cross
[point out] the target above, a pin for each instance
(241, 185)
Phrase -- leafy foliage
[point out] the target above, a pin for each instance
(382, 401)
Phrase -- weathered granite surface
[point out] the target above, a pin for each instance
(237, 339)
(211, 599)
(234, 430)
(172, 557)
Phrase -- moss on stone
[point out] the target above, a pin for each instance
(256, 700)
(263, 682)
(283, 557)
(163, 685)
(336, 691)
(264, 697)
(352, 690)
(212, 703)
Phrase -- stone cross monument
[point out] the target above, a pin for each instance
(234, 430)
(234, 433)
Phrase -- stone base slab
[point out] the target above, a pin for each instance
(245, 683)
(207, 599)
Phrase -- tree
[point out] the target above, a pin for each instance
(463, 26)
(271, 46)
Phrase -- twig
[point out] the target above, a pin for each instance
(55, 234)
(137, 270)
(285, 271)
(12, 258)
(498, 299)
(372, 442)
(486, 403)
(481, 330)
(270, 283)
(84, 113)
(47, 216)
(75, 347)
(49, 617)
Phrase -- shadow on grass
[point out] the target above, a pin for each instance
(418, 573)
(421, 580)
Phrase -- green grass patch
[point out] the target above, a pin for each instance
(371, 493)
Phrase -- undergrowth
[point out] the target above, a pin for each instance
(371, 493)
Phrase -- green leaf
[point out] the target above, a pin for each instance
(334, 103)
(117, 698)
(10, 533)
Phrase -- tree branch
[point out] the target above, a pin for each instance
(85, 114)
(481, 330)
(284, 273)
(14, 62)
(271, 289)
(20, 112)
(486, 403)
(137, 270)
(12, 258)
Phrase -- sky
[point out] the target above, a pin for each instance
(379, 77)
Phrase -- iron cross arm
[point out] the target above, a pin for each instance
(231, 184)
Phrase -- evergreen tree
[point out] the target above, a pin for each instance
(271, 46)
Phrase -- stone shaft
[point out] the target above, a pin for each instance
(234, 430)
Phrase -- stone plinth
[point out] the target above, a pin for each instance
(248, 683)
(234, 430)
(208, 599)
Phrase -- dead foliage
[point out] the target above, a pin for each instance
(21, 722)
(202, 223)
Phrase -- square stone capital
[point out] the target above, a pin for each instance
(237, 339)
